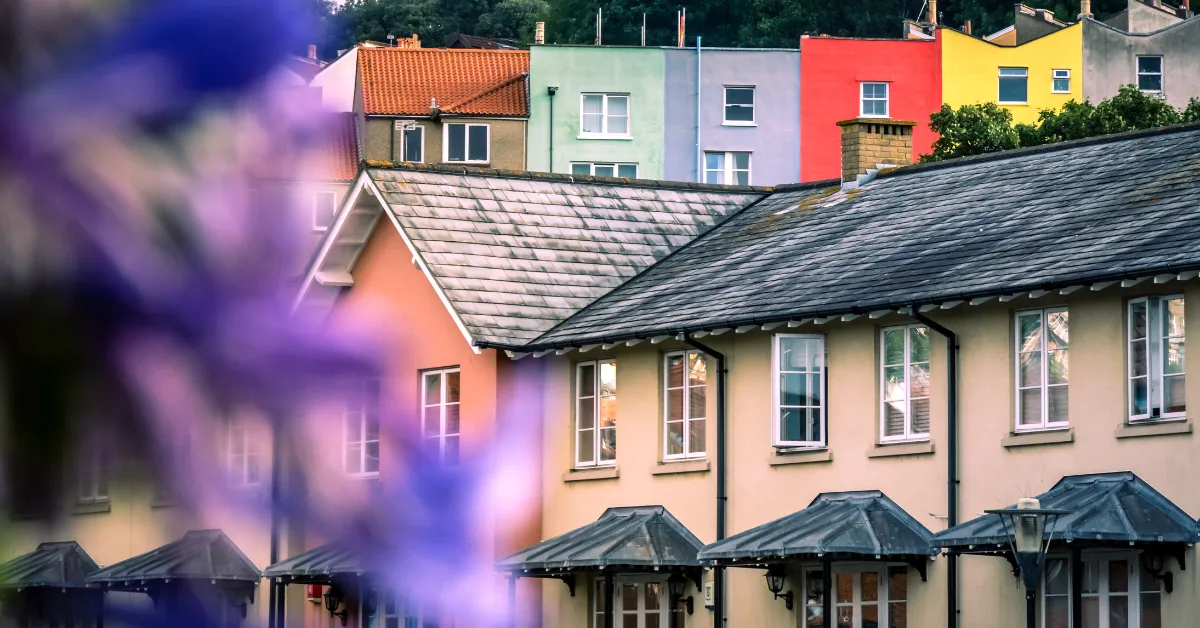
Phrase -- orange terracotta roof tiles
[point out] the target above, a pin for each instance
(339, 149)
(463, 82)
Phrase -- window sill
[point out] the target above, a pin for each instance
(582, 136)
(783, 457)
(671, 467)
(1013, 104)
(88, 508)
(1159, 427)
(467, 163)
(608, 472)
(749, 124)
(1044, 437)
(909, 448)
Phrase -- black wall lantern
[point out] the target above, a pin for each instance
(676, 585)
(333, 599)
(775, 579)
(1154, 563)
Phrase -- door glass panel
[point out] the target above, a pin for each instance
(870, 586)
(1091, 612)
(870, 616)
(652, 595)
(1118, 612)
(1118, 576)
(845, 588)
(629, 597)
(845, 617)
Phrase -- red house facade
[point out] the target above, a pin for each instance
(843, 78)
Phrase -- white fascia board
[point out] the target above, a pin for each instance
(331, 236)
(437, 288)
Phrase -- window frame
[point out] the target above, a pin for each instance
(251, 447)
(1055, 77)
(316, 209)
(94, 472)
(364, 389)
(686, 418)
(1161, 74)
(1155, 377)
(442, 405)
(595, 429)
(1001, 76)
(909, 436)
(776, 426)
(1045, 385)
(883, 599)
(862, 99)
(487, 149)
(616, 165)
(604, 115)
(403, 127)
(753, 121)
(728, 171)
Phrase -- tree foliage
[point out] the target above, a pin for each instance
(977, 129)
(748, 23)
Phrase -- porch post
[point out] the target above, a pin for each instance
(609, 602)
(512, 601)
(827, 596)
(1076, 587)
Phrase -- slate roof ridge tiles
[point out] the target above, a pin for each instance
(1031, 150)
(531, 175)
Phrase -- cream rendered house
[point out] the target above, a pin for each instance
(822, 385)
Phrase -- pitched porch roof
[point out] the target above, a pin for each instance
(61, 564)
(634, 538)
(1103, 508)
(200, 555)
(853, 524)
(317, 566)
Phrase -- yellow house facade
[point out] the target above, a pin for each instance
(1044, 73)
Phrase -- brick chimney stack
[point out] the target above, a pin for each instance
(312, 52)
(874, 142)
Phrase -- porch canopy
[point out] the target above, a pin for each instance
(1103, 510)
(59, 565)
(201, 556)
(320, 565)
(49, 585)
(627, 539)
(852, 525)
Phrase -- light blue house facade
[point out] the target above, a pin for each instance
(641, 112)
(748, 106)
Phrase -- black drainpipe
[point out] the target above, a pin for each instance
(718, 572)
(952, 464)
(550, 90)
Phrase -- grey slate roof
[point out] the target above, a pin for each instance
(200, 554)
(1103, 508)
(1024, 220)
(853, 524)
(317, 565)
(516, 253)
(633, 538)
(61, 564)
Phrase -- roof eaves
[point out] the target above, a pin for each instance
(857, 310)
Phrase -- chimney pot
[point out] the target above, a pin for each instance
(874, 142)
(312, 51)
(967, 27)
(539, 33)
(1085, 8)
(933, 12)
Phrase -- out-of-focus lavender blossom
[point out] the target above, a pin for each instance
(146, 276)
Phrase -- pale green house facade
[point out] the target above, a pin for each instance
(622, 91)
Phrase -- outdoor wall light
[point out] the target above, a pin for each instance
(333, 599)
(1028, 522)
(1153, 563)
(775, 579)
(676, 585)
